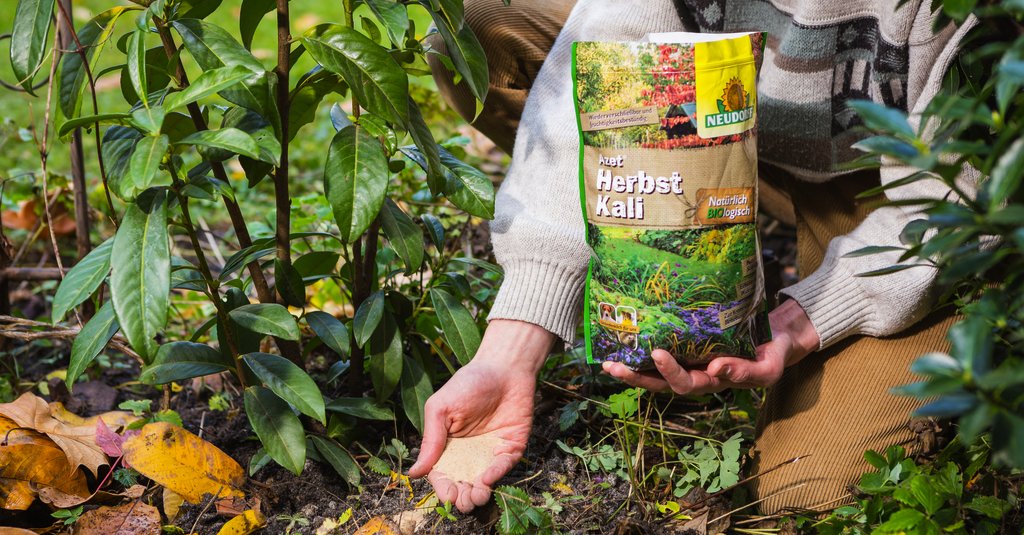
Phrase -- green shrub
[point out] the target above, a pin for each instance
(199, 111)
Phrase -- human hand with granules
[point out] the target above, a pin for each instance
(477, 425)
(794, 337)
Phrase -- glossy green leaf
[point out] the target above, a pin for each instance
(378, 82)
(31, 30)
(277, 427)
(337, 370)
(229, 139)
(244, 257)
(882, 118)
(214, 48)
(948, 406)
(368, 318)
(91, 340)
(317, 264)
(416, 388)
(71, 73)
(82, 280)
(467, 55)
(197, 9)
(330, 331)
(1007, 175)
(118, 147)
(290, 382)
(386, 368)
(393, 16)
(250, 15)
(939, 364)
(428, 149)
(267, 318)
(140, 278)
(178, 361)
(339, 459)
(355, 180)
(144, 167)
(288, 284)
(888, 146)
(467, 187)
(137, 64)
(92, 120)
(460, 330)
(148, 120)
(365, 408)
(434, 229)
(206, 84)
(307, 96)
(404, 234)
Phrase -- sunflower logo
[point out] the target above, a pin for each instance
(734, 98)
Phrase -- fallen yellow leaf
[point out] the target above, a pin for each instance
(133, 518)
(378, 525)
(114, 419)
(172, 503)
(331, 526)
(244, 524)
(77, 441)
(16, 531)
(183, 462)
(29, 462)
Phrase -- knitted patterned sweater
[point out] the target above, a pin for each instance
(820, 53)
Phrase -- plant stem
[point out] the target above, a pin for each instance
(225, 332)
(359, 295)
(259, 281)
(282, 198)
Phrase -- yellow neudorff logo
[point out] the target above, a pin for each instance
(734, 106)
(725, 81)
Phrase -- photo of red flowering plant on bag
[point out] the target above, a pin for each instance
(663, 77)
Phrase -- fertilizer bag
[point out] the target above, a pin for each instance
(668, 185)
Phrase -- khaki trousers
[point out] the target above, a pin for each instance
(827, 409)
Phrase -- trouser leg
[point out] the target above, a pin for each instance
(516, 39)
(835, 404)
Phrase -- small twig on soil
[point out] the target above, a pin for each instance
(202, 424)
(747, 480)
(530, 478)
(755, 502)
(205, 509)
(574, 394)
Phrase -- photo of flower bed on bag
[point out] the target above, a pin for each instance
(667, 82)
(665, 276)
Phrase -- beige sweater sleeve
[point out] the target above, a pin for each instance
(538, 229)
(838, 302)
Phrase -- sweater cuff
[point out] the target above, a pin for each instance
(542, 293)
(834, 301)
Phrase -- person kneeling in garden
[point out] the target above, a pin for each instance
(840, 341)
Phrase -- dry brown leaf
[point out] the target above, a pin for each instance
(30, 462)
(183, 462)
(172, 504)
(378, 525)
(77, 441)
(233, 506)
(412, 521)
(248, 522)
(134, 518)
